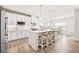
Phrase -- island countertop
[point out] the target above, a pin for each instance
(39, 31)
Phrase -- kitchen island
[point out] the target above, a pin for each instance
(40, 38)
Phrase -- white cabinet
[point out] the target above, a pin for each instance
(12, 18)
(9, 36)
(19, 34)
(27, 20)
(26, 33)
(21, 18)
(12, 21)
(23, 34)
(13, 35)
(20, 30)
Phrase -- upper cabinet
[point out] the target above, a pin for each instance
(27, 20)
(12, 18)
(21, 18)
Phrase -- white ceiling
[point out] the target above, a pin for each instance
(34, 10)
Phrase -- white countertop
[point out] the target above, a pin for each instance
(39, 31)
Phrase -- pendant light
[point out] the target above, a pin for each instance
(49, 14)
(54, 10)
(41, 24)
(40, 11)
(53, 16)
(49, 18)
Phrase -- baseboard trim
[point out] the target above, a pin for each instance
(17, 39)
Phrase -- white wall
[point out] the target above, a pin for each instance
(77, 24)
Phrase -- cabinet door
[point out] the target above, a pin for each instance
(21, 18)
(12, 19)
(23, 34)
(19, 34)
(13, 35)
(26, 34)
(27, 20)
(9, 18)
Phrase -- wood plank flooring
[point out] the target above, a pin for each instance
(61, 46)
(64, 46)
(19, 46)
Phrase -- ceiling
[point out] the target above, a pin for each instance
(55, 10)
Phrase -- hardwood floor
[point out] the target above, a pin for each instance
(61, 46)
(65, 46)
(19, 46)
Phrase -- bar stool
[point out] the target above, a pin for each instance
(51, 40)
(43, 41)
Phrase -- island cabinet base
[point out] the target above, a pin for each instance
(41, 40)
(33, 40)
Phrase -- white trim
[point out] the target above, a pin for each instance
(62, 17)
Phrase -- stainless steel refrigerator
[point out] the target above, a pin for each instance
(2, 32)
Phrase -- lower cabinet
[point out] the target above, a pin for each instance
(14, 35)
(3, 48)
(19, 35)
(23, 34)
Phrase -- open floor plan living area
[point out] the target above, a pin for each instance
(39, 28)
